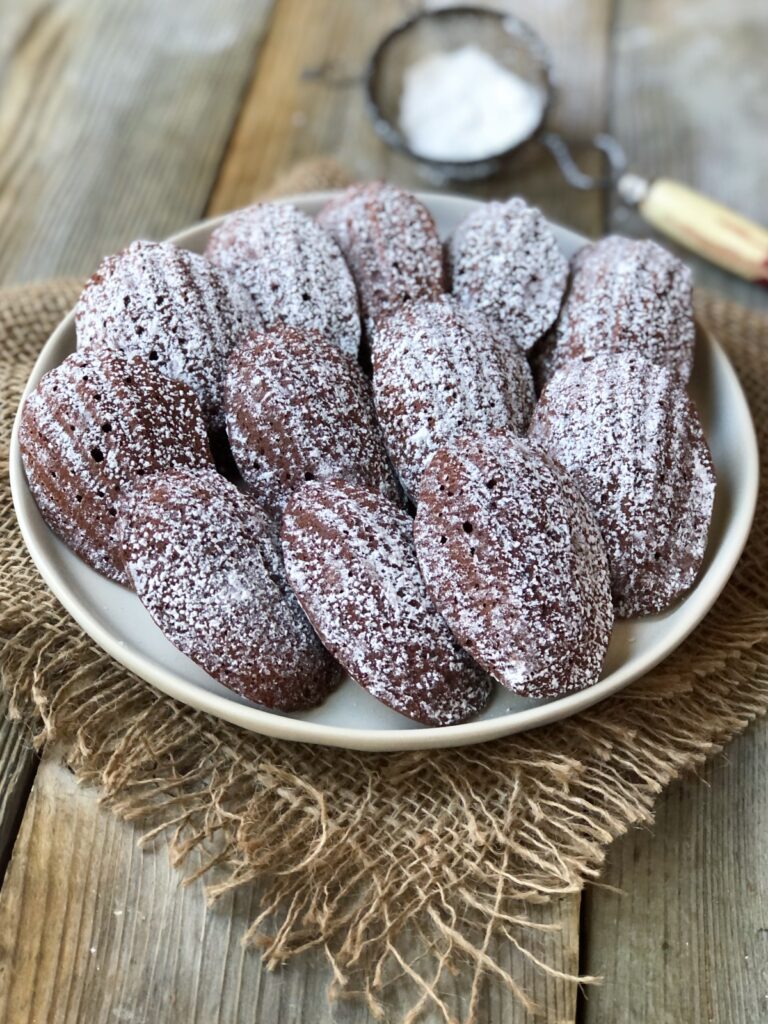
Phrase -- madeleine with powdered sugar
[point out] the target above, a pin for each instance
(391, 245)
(504, 262)
(171, 307)
(631, 439)
(513, 559)
(293, 270)
(298, 409)
(350, 559)
(626, 295)
(205, 562)
(91, 428)
(439, 373)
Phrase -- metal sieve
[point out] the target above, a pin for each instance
(690, 218)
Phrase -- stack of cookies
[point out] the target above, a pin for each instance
(337, 443)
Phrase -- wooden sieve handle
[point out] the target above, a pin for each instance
(707, 228)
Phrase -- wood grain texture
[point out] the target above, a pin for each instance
(93, 929)
(307, 98)
(687, 940)
(690, 102)
(113, 119)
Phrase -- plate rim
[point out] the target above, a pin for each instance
(277, 726)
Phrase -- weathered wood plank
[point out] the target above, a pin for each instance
(687, 939)
(113, 119)
(92, 929)
(306, 98)
(690, 102)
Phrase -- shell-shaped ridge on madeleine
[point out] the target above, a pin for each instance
(350, 559)
(293, 270)
(92, 427)
(513, 559)
(631, 439)
(205, 561)
(171, 307)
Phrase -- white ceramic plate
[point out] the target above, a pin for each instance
(117, 621)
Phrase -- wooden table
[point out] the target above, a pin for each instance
(123, 120)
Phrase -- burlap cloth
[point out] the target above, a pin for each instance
(403, 866)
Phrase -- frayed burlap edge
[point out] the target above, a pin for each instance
(403, 868)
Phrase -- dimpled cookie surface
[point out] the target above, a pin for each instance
(293, 270)
(298, 409)
(350, 559)
(504, 262)
(205, 561)
(439, 372)
(171, 307)
(626, 295)
(631, 439)
(90, 429)
(513, 559)
(391, 245)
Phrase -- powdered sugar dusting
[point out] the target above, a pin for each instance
(391, 245)
(630, 437)
(349, 557)
(293, 270)
(205, 561)
(90, 429)
(298, 409)
(626, 295)
(513, 559)
(171, 307)
(505, 263)
(462, 105)
(439, 373)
